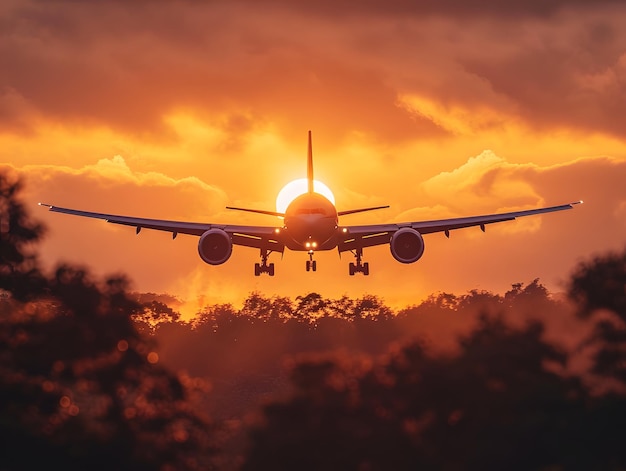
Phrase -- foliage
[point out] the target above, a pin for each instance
(596, 286)
(19, 269)
(494, 405)
(80, 387)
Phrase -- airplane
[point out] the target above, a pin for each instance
(310, 224)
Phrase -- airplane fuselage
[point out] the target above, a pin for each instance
(310, 224)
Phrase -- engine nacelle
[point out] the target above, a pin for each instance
(215, 246)
(407, 245)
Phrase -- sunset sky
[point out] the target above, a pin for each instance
(176, 109)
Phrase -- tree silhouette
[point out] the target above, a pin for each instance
(80, 387)
(19, 268)
(493, 406)
(600, 285)
(312, 307)
(155, 311)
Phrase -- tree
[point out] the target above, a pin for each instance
(370, 306)
(311, 307)
(156, 311)
(80, 387)
(19, 269)
(494, 405)
(600, 285)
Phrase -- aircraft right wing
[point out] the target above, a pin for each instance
(379, 234)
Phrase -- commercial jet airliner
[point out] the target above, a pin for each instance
(310, 223)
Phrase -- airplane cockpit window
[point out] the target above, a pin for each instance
(310, 211)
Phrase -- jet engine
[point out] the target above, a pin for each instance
(215, 246)
(407, 245)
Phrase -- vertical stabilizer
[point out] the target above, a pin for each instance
(309, 171)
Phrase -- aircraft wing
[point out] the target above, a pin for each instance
(378, 234)
(249, 236)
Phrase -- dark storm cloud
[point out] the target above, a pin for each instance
(455, 8)
(126, 65)
(576, 78)
(417, 8)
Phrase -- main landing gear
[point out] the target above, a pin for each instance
(310, 263)
(264, 267)
(359, 267)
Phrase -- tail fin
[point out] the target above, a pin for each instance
(309, 173)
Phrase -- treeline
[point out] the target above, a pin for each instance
(487, 375)
(80, 386)
(95, 377)
(243, 351)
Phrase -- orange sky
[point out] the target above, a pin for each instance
(175, 109)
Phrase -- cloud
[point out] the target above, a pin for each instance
(103, 68)
(485, 182)
(564, 74)
(126, 66)
(117, 171)
(419, 8)
(112, 183)
(488, 178)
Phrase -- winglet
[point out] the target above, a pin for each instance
(309, 172)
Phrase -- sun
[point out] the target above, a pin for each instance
(298, 187)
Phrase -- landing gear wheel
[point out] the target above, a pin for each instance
(263, 267)
(308, 265)
(359, 267)
(314, 265)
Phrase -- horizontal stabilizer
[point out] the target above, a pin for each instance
(362, 210)
(258, 211)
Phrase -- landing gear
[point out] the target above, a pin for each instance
(311, 264)
(264, 267)
(359, 267)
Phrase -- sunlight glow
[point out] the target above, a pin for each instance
(298, 187)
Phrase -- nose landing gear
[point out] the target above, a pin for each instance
(359, 267)
(310, 263)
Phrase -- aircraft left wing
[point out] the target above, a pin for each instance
(378, 234)
(249, 236)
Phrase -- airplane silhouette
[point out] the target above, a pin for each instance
(310, 224)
